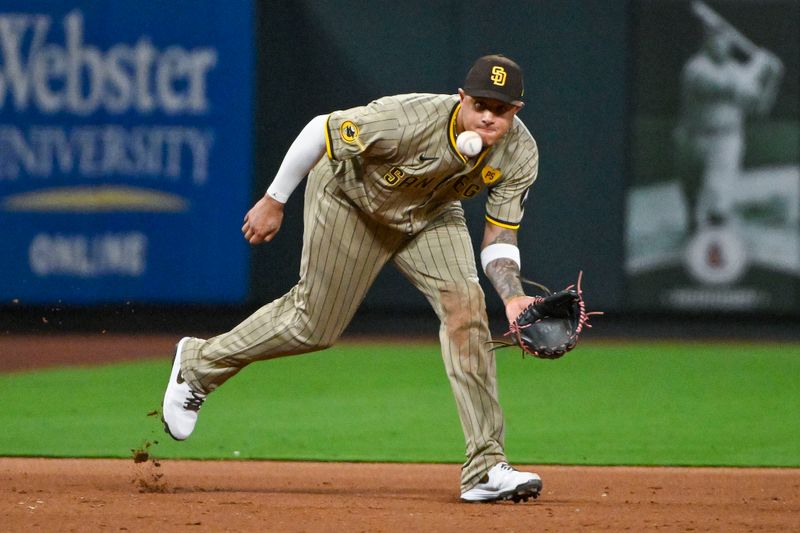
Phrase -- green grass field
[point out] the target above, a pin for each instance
(644, 403)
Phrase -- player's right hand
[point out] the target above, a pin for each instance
(263, 221)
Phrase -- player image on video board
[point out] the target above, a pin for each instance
(713, 208)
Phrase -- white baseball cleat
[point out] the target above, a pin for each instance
(504, 483)
(181, 403)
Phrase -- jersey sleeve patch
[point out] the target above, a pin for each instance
(349, 131)
(490, 175)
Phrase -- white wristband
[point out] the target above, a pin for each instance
(498, 250)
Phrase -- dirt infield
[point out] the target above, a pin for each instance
(122, 495)
(29, 352)
(118, 495)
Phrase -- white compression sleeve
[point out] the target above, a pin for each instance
(498, 250)
(300, 158)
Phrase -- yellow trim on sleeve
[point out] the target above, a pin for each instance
(501, 224)
(328, 144)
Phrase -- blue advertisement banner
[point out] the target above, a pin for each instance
(125, 150)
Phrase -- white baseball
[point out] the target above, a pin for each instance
(469, 143)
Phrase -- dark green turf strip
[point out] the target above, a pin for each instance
(643, 403)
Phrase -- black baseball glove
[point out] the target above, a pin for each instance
(550, 326)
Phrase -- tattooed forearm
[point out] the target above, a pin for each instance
(503, 273)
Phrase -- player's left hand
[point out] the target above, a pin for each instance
(551, 326)
(517, 305)
(263, 221)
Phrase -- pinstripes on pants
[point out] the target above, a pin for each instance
(343, 252)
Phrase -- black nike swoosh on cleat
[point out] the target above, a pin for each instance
(423, 157)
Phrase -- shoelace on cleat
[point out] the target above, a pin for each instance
(195, 402)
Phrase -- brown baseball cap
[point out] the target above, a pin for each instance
(495, 76)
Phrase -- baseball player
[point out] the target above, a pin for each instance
(385, 182)
(727, 80)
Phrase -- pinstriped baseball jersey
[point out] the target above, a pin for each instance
(396, 158)
(396, 161)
